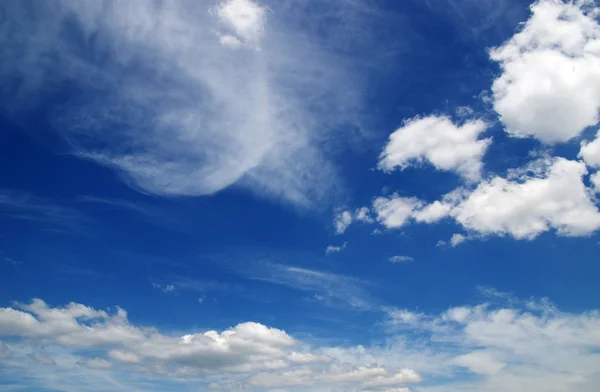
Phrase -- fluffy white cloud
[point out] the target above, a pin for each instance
(590, 152)
(250, 353)
(341, 221)
(171, 108)
(547, 194)
(595, 180)
(457, 239)
(531, 205)
(550, 82)
(527, 344)
(479, 362)
(395, 211)
(440, 142)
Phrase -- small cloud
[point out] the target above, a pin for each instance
(363, 214)
(401, 259)
(457, 239)
(454, 241)
(464, 111)
(341, 221)
(201, 300)
(12, 261)
(168, 288)
(335, 249)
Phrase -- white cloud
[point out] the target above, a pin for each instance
(547, 194)
(595, 180)
(341, 221)
(528, 345)
(403, 377)
(590, 152)
(96, 363)
(440, 142)
(532, 205)
(171, 108)
(166, 288)
(335, 249)
(550, 82)
(329, 288)
(363, 214)
(400, 259)
(123, 356)
(395, 211)
(245, 18)
(457, 239)
(479, 362)
(249, 354)
(230, 41)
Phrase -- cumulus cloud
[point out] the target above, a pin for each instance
(159, 96)
(454, 241)
(549, 88)
(595, 180)
(547, 194)
(525, 345)
(249, 353)
(590, 152)
(531, 205)
(343, 219)
(440, 142)
(394, 212)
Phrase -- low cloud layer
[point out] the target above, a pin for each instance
(527, 345)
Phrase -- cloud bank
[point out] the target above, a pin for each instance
(527, 345)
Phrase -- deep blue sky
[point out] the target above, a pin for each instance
(79, 225)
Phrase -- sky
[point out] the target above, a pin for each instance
(300, 195)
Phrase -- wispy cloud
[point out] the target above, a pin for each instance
(190, 97)
(25, 206)
(335, 249)
(332, 289)
(401, 259)
(165, 288)
(116, 203)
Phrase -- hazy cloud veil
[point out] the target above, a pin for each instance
(183, 97)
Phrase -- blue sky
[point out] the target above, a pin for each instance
(340, 195)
